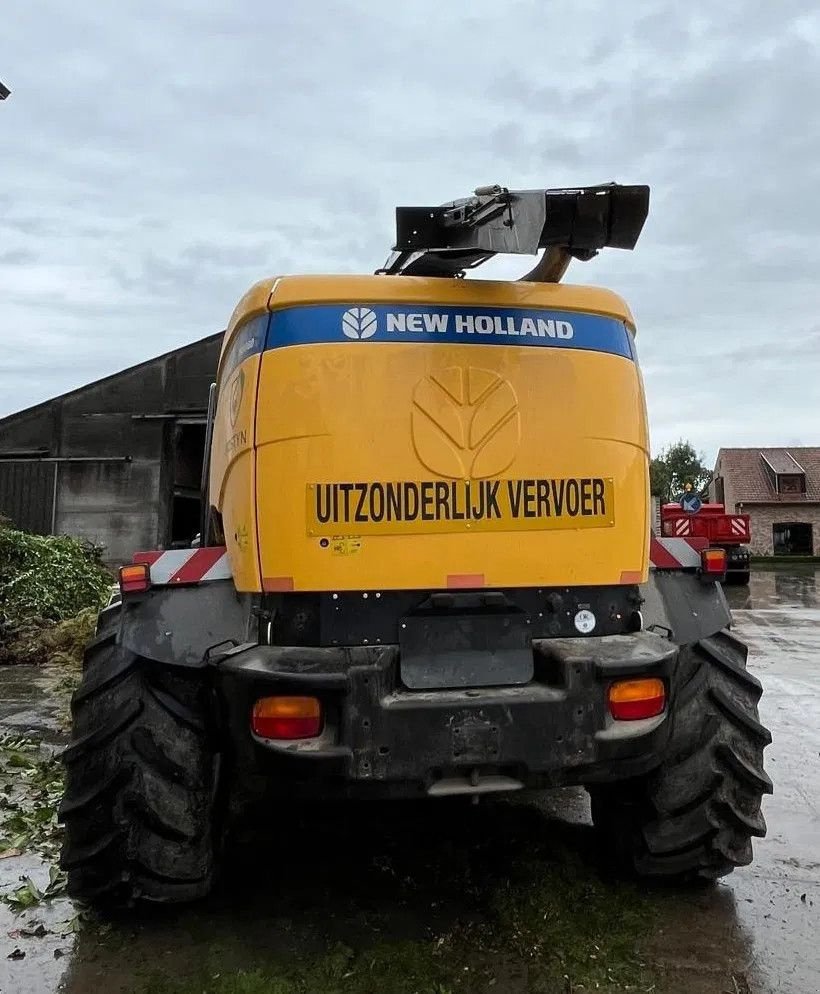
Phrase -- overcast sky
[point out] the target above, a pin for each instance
(158, 157)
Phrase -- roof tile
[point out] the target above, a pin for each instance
(744, 471)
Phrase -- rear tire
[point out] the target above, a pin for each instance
(738, 577)
(141, 778)
(695, 816)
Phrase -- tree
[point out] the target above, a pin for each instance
(676, 466)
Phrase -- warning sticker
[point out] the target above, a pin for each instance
(345, 545)
(395, 508)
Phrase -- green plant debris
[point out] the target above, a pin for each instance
(31, 785)
(35, 641)
(28, 895)
(51, 588)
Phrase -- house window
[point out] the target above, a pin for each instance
(791, 483)
(793, 539)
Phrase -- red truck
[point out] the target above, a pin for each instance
(731, 532)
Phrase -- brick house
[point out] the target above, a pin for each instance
(780, 490)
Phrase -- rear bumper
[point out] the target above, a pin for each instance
(380, 737)
(737, 557)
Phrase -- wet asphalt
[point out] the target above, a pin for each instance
(757, 932)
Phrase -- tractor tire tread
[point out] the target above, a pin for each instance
(695, 815)
(140, 783)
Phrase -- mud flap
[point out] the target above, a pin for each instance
(681, 604)
(179, 625)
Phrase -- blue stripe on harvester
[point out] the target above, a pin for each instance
(247, 341)
(351, 324)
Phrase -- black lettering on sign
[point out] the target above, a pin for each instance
(586, 498)
(442, 502)
(557, 487)
(323, 513)
(361, 490)
(345, 489)
(521, 501)
(376, 502)
(393, 497)
(543, 499)
(514, 489)
(573, 498)
(454, 495)
(598, 501)
(411, 501)
(478, 509)
(427, 513)
(493, 510)
(529, 499)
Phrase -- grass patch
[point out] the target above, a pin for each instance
(571, 924)
(499, 901)
(387, 967)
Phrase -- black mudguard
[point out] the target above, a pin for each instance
(184, 625)
(685, 606)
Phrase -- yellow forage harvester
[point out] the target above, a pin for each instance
(424, 568)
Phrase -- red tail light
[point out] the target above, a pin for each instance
(630, 700)
(135, 579)
(287, 717)
(713, 563)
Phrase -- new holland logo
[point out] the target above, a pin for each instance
(237, 389)
(359, 322)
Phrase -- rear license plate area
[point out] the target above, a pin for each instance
(452, 651)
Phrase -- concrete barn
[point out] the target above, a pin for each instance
(119, 461)
(780, 490)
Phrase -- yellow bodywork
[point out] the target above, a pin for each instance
(378, 433)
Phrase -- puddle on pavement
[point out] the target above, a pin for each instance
(45, 957)
(778, 897)
(28, 703)
(351, 878)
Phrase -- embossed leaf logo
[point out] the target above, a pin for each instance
(237, 389)
(359, 322)
(465, 423)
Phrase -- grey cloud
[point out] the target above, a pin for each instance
(197, 148)
(16, 257)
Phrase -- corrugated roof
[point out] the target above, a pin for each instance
(744, 470)
(179, 351)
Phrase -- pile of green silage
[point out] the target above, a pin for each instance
(51, 587)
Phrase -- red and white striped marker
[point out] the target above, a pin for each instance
(179, 566)
(186, 565)
(676, 553)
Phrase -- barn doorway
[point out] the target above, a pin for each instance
(189, 455)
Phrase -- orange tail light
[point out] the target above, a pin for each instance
(287, 717)
(630, 700)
